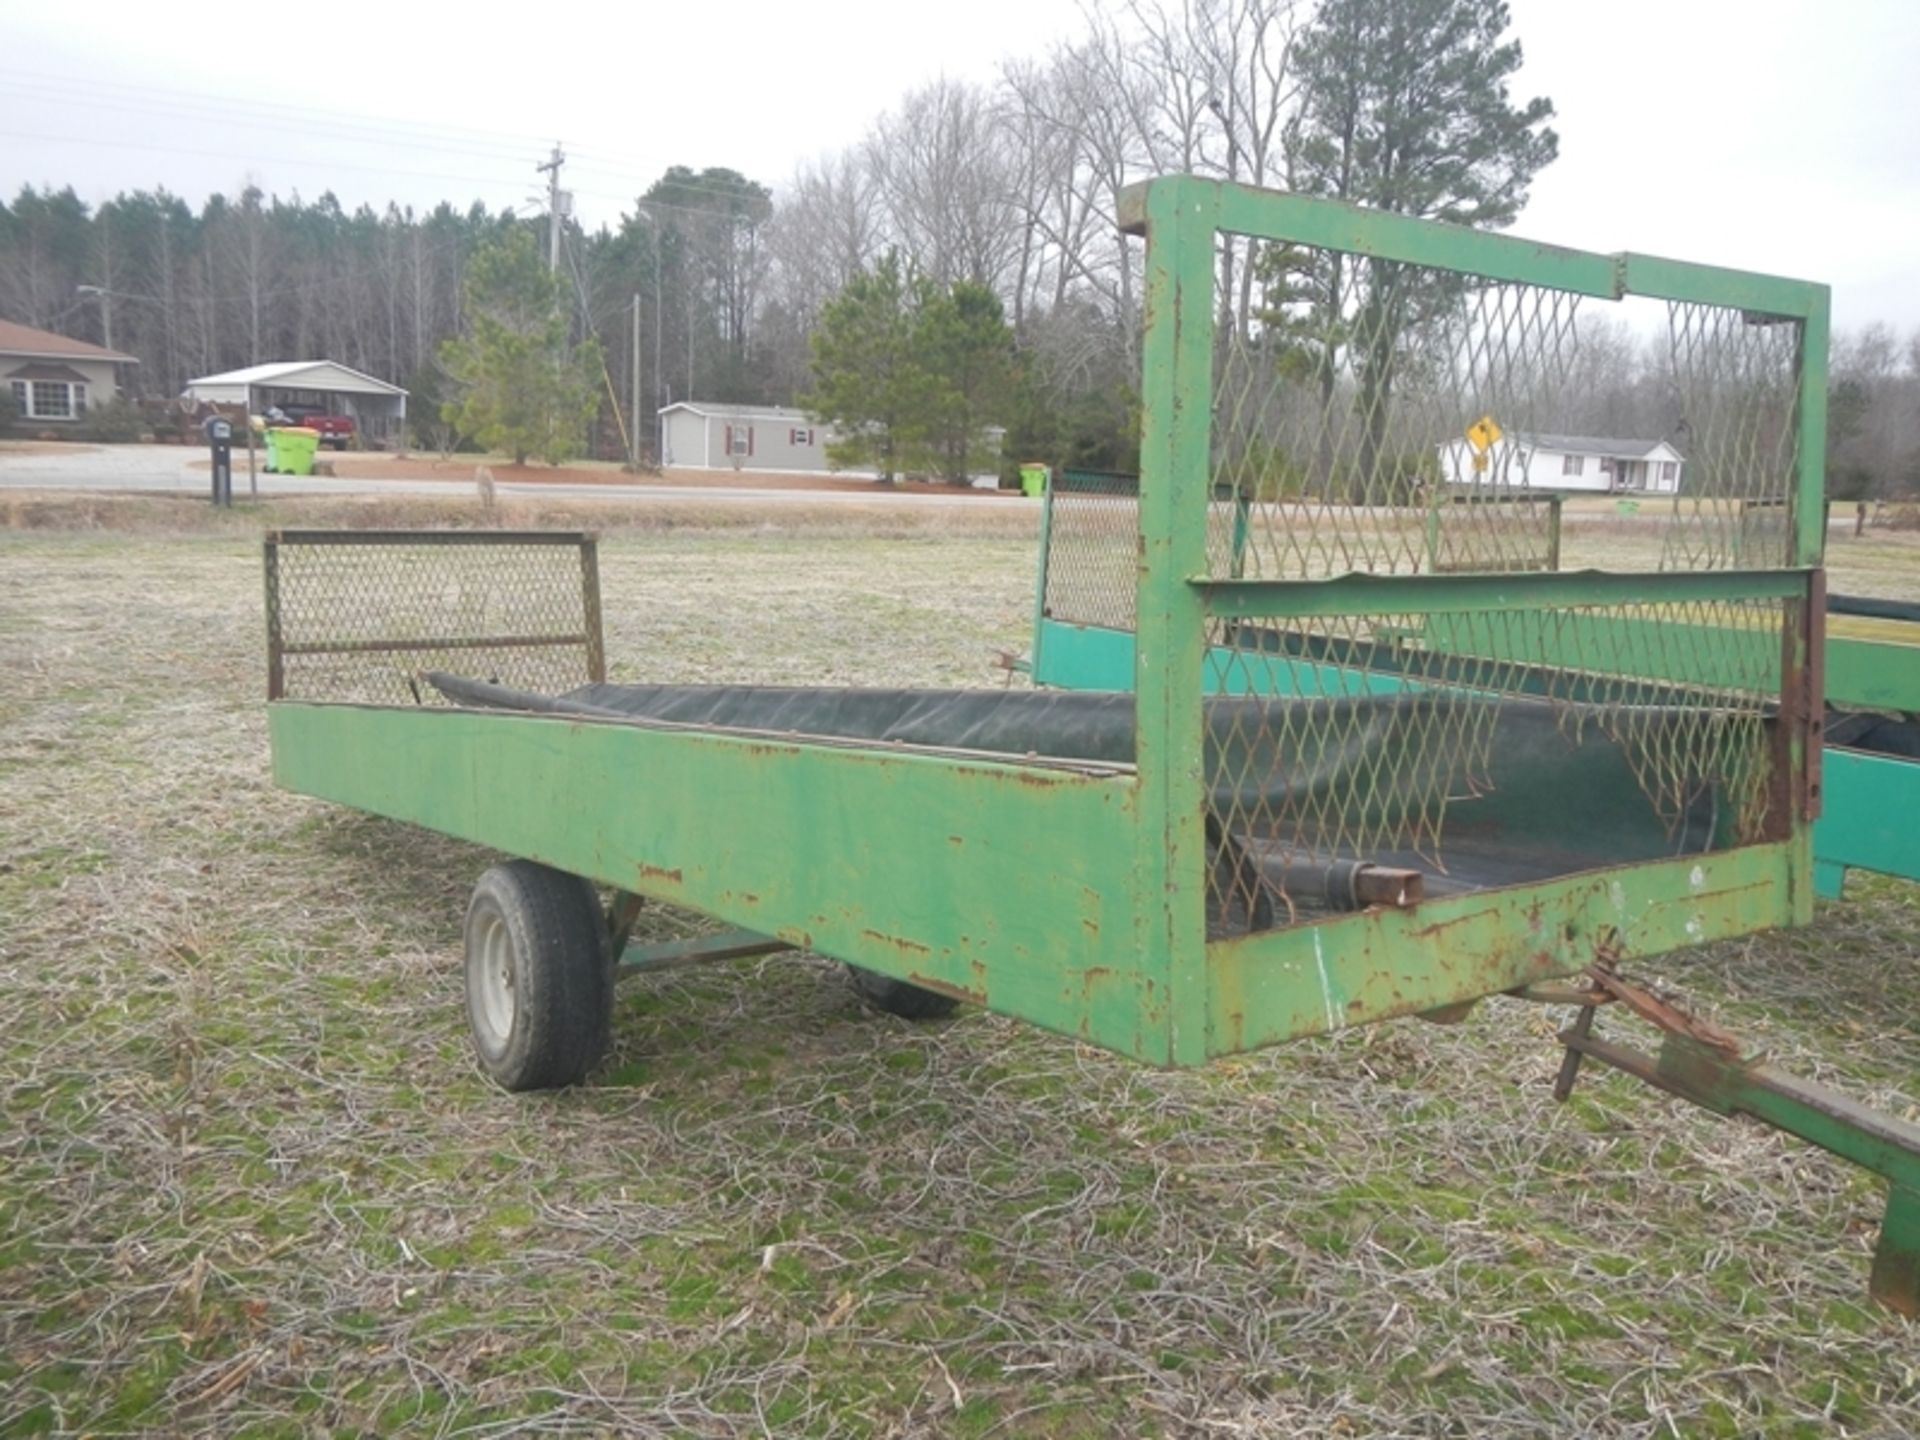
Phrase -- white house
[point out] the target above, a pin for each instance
(1567, 463)
(769, 438)
(53, 378)
(317, 387)
(740, 437)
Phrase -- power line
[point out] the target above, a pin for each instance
(366, 135)
(249, 159)
(294, 119)
(437, 132)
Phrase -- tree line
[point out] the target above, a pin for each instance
(715, 286)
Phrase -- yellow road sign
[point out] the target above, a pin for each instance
(1483, 434)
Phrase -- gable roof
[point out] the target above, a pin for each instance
(754, 412)
(290, 372)
(44, 370)
(1609, 448)
(24, 340)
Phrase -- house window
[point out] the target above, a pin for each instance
(1669, 472)
(1606, 465)
(740, 439)
(52, 400)
(800, 437)
(1573, 465)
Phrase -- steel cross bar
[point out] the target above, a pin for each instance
(1366, 594)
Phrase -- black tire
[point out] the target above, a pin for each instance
(899, 997)
(539, 985)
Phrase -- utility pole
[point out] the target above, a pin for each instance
(552, 170)
(633, 387)
(106, 310)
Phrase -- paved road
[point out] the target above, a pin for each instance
(169, 469)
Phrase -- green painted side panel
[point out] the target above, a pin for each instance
(1868, 805)
(1091, 657)
(1082, 657)
(1873, 675)
(1383, 963)
(1369, 594)
(1007, 885)
(1615, 644)
(1866, 798)
(1862, 674)
(1829, 879)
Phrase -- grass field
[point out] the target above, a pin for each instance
(251, 1181)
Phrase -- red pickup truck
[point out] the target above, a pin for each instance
(336, 431)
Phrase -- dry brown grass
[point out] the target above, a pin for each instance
(251, 1181)
(140, 514)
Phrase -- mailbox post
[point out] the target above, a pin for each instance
(220, 445)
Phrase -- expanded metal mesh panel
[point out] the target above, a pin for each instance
(1388, 419)
(1493, 533)
(1093, 529)
(1092, 560)
(1736, 382)
(358, 615)
(1657, 741)
(1399, 420)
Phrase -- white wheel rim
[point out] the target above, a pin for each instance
(493, 981)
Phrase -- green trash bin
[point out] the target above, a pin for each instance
(290, 449)
(1033, 479)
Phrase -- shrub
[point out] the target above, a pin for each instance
(115, 423)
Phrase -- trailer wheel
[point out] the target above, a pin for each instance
(899, 997)
(539, 988)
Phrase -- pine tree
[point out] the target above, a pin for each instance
(525, 389)
(962, 342)
(868, 382)
(1404, 107)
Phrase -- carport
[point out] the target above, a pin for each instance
(312, 387)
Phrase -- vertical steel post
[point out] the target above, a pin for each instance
(1170, 651)
(1040, 587)
(1808, 550)
(276, 660)
(1242, 507)
(1809, 501)
(590, 608)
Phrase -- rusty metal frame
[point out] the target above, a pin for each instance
(1070, 896)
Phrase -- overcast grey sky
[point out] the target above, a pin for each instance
(1777, 135)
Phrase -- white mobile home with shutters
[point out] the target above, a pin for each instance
(1592, 463)
(741, 437)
